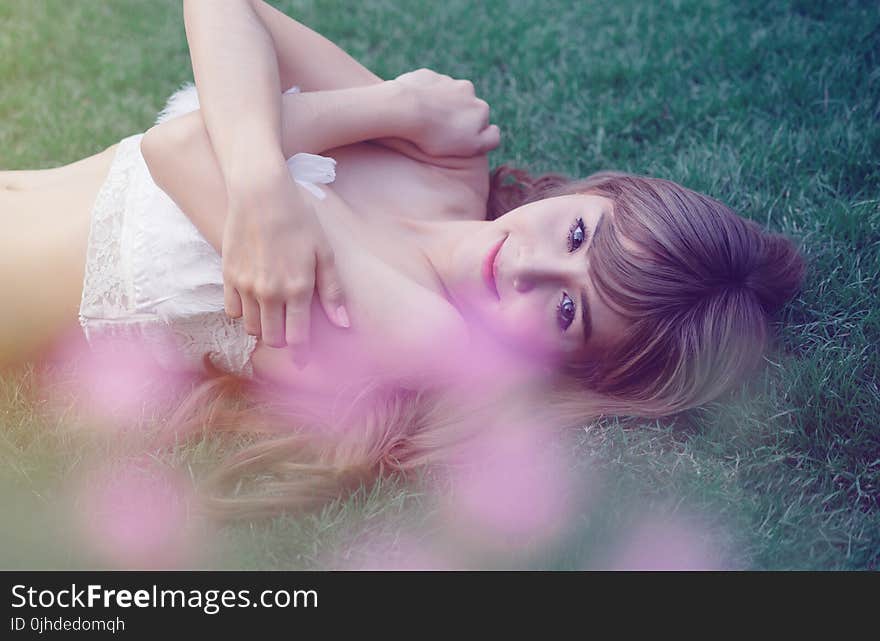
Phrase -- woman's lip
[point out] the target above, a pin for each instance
(490, 268)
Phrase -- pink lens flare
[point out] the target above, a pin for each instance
(115, 381)
(133, 515)
(445, 351)
(510, 487)
(667, 544)
(338, 384)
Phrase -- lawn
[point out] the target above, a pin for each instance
(770, 106)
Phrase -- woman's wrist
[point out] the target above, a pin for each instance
(406, 109)
(255, 168)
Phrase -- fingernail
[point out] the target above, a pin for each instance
(342, 316)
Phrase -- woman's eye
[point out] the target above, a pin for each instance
(565, 312)
(576, 235)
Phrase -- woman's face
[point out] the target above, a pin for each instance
(524, 277)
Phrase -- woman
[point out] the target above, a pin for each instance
(616, 294)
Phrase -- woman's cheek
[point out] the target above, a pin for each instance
(531, 329)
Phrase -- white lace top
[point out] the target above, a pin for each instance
(151, 276)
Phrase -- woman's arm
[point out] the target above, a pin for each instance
(275, 253)
(308, 59)
(180, 155)
(442, 113)
(236, 73)
(315, 63)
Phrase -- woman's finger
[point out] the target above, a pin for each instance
(330, 292)
(231, 301)
(489, 138)
(484, 107)
(297, 330)
(272, 323)
(251, 314)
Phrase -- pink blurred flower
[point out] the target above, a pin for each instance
(134, 515)
(114, 382)
(512, 489)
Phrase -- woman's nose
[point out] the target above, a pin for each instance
(526, 279)
(535, 271)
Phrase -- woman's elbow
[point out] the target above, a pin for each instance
(153, 150)
(151, 143)
(164, 144)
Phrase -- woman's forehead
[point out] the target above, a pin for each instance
(587, 200)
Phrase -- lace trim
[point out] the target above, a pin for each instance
(110, 308)
(104, 294)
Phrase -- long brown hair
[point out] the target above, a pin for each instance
(697, 283)
(698, 291)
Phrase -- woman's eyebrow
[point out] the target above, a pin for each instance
(598, 227)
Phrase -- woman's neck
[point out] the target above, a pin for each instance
(437, 242)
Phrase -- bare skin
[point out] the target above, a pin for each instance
(45, 219)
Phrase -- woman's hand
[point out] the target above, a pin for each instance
(450, 120)
(274, 255)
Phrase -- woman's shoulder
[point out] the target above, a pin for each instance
(395, 176)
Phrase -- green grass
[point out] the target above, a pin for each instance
(770, 106)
